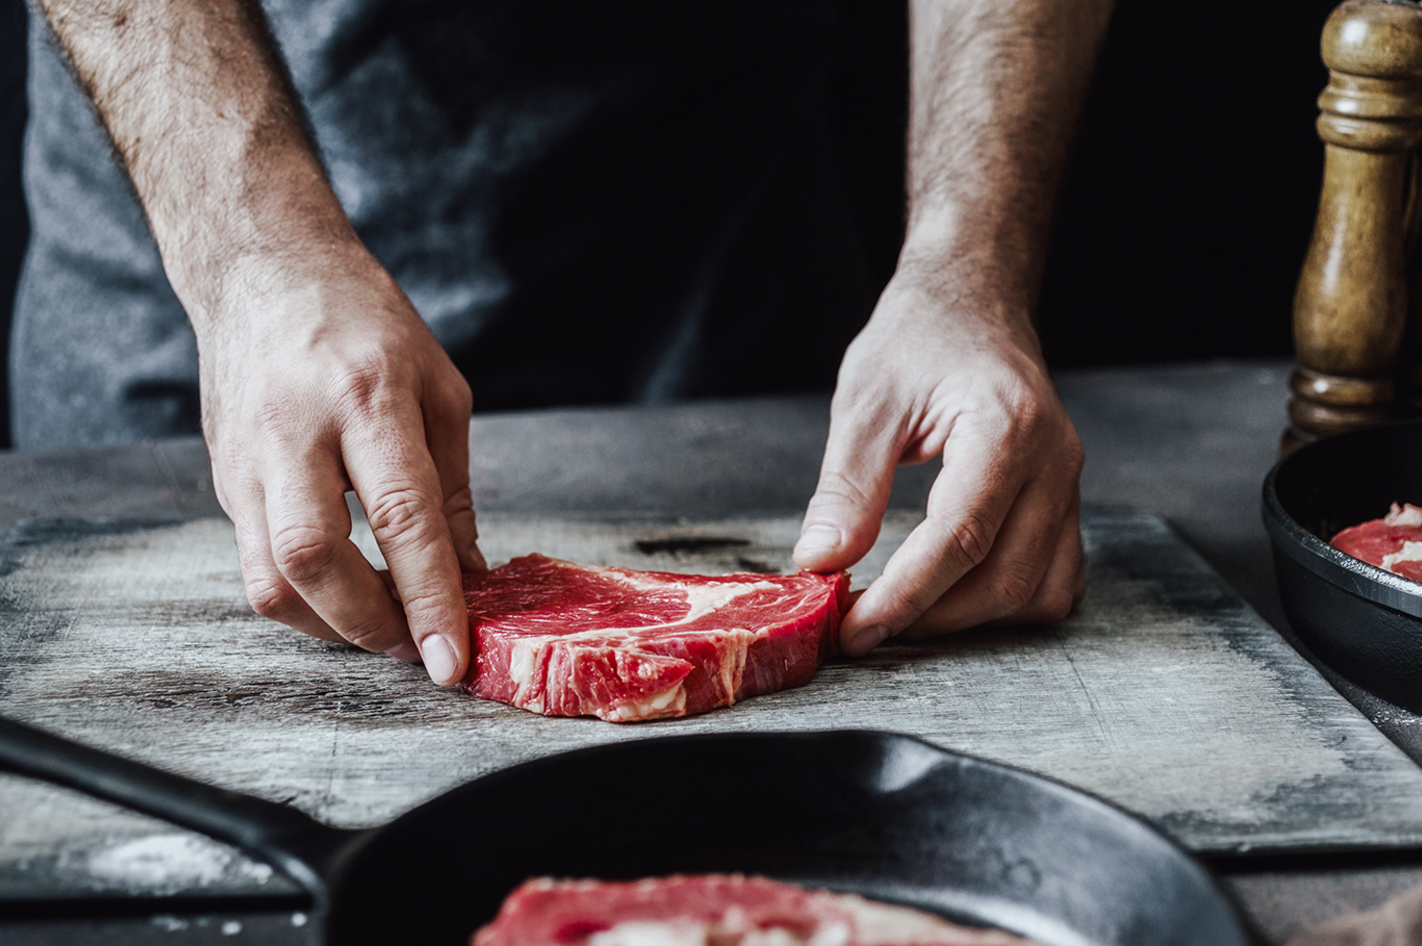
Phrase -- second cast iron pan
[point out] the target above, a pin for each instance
(1362, 621)
(870, 812)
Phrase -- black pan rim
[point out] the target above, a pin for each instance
(559, 759)
(1056, 787)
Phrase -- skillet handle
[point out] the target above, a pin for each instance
(283, 837)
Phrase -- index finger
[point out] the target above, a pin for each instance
(967, 505)
(395, 478)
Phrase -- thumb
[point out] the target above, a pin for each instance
(845, 513)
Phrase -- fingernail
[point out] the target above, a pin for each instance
(817, 539)
(407, 652)
(866, 640)
(439, 659)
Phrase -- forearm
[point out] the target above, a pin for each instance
(196, 100)
(317, 375)
(996, 89)
(949, 363)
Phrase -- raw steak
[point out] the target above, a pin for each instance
(714, 910)
(624, 645)
(1393, 542)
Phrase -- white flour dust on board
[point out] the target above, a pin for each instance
(171, 862)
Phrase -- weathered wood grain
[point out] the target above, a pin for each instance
(1163, 693)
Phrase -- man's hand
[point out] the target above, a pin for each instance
(932, 375)
(317, 375)
(949, 363)
(329, 385)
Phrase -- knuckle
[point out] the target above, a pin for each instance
(271, 597)
(271, 422)
(425, 607)
(369, 633)
(1016, 587)
(969, 541)
(1053, 605)
(1032, 416)
(1029, 413)
(1039, 424)
(459, 503)
(1073, 453)
(395, 514)
(459, 397)
(1058, 604)
(231, 496)
(361, 385)
(836, 489)
(908, 604)
(447, 398)
(302, 553)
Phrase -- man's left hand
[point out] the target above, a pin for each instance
(937, 371)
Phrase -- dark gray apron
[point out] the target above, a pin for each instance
(587, 202)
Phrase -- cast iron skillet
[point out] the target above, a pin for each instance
(1362, 621)
(875, 813)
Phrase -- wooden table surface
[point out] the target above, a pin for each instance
(1188, 443)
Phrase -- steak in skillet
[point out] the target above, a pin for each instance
(714, 910)
(1393, 543)
(571, 640)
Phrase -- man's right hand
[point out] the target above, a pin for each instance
(326, 382)
(317, 375)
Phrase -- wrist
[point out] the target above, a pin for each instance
(952, 289)
(976, 248)
(298, 290)
(280, 229)
(965, 285)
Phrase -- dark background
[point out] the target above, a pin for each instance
(1187, 206)
(1192, 192)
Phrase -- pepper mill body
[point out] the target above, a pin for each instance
(1351, 307)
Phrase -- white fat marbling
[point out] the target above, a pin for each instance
(650, 933)
(673, 698)
(704, 599)
(521, 662)
(1410, 552)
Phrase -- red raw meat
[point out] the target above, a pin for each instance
(571, 640)
(714, 910)
(1383, 542)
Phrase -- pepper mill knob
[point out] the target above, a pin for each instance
(1350, 309)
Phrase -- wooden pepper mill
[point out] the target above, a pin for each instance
(1350, 311)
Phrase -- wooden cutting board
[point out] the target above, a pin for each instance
(1164, 694)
